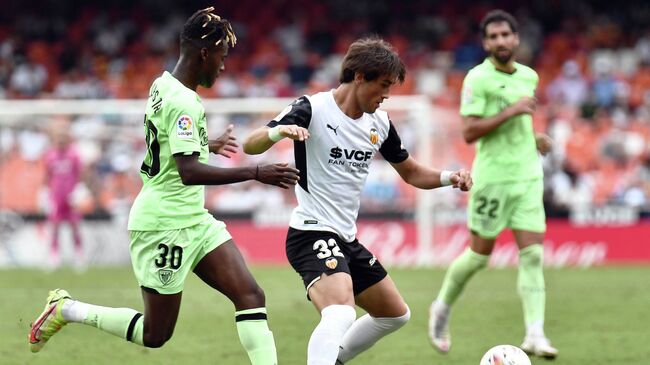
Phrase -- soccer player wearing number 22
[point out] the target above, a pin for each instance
(336, 134)
(171, 231)
(496, 105)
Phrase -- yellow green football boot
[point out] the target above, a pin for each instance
(49, 322)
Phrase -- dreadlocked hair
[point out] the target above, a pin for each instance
(204, 27)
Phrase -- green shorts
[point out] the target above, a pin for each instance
(516, 205)
(162, 259)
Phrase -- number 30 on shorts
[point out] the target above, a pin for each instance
(175, 256)
(324, 248)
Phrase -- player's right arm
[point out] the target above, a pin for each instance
(292, 123)
(186, 144)
(473, 105)
(193, 172)
(475, 127)
(263, 137)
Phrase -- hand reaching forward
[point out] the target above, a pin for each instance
(294, 132)
(278, 174)
(225, 145)
(461, 179)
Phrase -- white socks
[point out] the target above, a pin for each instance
(535, 329)
(440, 307)
(74, 311)
(366, 331)
(324, 343)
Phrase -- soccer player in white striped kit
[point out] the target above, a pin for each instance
(336, 135)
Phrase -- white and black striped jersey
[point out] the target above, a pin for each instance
(335, 160)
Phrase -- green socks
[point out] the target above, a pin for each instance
(460, 271)
(121, 322)
(255, 336)
(530, 283)
(127, 323)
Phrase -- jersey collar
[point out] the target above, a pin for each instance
(493, 67)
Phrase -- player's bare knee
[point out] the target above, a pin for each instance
(258, 296)
(343, 298)
(323, 298)
(155, 340)
(250, 297)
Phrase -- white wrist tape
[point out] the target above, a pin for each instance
(274, 134)
(445, 177)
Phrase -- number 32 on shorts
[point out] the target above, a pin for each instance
(324, 250)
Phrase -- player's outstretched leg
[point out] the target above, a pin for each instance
(61, 309)
(49, 322)
(458, 274)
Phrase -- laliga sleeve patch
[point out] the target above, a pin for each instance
(184, 128)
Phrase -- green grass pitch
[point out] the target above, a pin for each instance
(594, 316)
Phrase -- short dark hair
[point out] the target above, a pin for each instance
(496, 16)
(372, 57)
(205, 29)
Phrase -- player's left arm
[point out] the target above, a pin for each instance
(413, 172)
(543, 142)
(423, 177)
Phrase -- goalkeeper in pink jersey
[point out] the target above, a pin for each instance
(63, 173)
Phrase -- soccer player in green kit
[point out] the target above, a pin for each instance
(171, 231)
(497, 104)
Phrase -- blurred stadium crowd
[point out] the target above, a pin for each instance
(593, 59)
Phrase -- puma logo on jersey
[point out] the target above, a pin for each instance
(334, 129)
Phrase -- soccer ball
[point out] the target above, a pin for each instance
(505, 355)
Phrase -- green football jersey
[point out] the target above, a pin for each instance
(509, 152)
(174, 123)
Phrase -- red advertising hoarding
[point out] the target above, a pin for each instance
(394, 243)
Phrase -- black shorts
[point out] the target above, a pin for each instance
(312, 253)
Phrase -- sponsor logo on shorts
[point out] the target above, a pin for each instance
(332, 263)
(372, 260)
(165, 276)
(184, 128)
